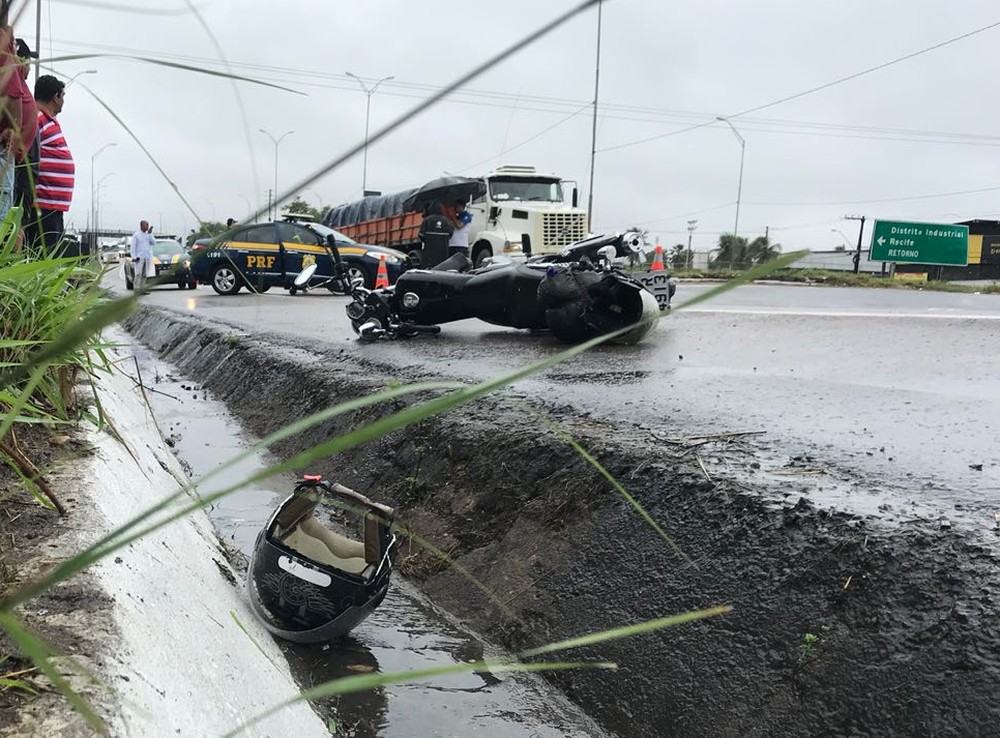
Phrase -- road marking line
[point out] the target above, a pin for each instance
(835, 314)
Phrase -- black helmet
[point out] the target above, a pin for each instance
(308, 583)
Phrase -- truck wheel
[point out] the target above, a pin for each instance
(481, 253)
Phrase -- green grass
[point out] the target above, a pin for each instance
(38, 300)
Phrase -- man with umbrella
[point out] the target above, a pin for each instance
(435, 233)
(450, 189)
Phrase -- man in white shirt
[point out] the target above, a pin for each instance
(462, 219)
(141, 250)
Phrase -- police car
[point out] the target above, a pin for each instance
(264, 255)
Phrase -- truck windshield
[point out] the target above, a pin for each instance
(513, 188)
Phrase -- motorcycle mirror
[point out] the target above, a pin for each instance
(303, 277)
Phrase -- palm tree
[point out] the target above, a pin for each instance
(735, 252)
(762, 250)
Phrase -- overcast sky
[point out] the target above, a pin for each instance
(912, 140)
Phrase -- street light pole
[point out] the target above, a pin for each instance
(93, 207)
(97, 203)
(739, 187)
(368, 108)
(692, 224)
(249, 211)
(73, 78)
(276, 141)
(842, 235)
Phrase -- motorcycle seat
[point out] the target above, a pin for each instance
(457, 262)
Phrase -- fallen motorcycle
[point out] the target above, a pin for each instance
(577, 294)
(310, 584)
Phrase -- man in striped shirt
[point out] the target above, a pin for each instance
(54, 188)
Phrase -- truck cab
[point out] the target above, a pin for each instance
(523, 213)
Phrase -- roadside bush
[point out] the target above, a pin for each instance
(40, 300)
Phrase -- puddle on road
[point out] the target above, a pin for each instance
(406, 632)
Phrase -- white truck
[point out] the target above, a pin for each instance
(524, 212)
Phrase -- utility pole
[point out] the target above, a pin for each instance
(593, 133)
(38, 34)
(269, 191)
(692, 224)
(861, 231)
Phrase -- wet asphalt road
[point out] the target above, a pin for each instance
(880, 401)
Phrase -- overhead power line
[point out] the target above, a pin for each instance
(811, 90)
(877, 200)
(568, 108)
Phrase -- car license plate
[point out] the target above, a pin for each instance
(658, 283)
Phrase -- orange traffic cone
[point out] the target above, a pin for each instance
(382, 276)
(657, 265)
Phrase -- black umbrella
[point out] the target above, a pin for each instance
(445, 190)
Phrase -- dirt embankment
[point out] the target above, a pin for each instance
(841, 626)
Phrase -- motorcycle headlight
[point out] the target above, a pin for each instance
(411, 300)
(186, 263)
(376, 255)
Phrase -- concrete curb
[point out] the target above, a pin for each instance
(182, 665)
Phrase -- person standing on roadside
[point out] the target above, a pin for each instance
(141, 251)
(462, 220)
(56, 171)
(18, 113)
(27, 168)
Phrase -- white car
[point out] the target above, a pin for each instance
(112, 253)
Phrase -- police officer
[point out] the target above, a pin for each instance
(435, 232)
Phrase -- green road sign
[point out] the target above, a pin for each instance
(920, 243)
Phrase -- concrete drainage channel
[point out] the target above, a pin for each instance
(842, 625)
(406, 633)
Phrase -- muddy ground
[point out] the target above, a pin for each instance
(73, 617)
(842, 626)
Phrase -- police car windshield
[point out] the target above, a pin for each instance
(167, 247)
(324, 231)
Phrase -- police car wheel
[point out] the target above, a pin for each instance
(225, 280)
(355, 271)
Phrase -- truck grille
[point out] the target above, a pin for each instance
(562, 229)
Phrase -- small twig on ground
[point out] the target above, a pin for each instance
(638, 469)
(138, 383)
(719, 436)
(703, 469)
(15, 674)
(517, 593)
(30, 471)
